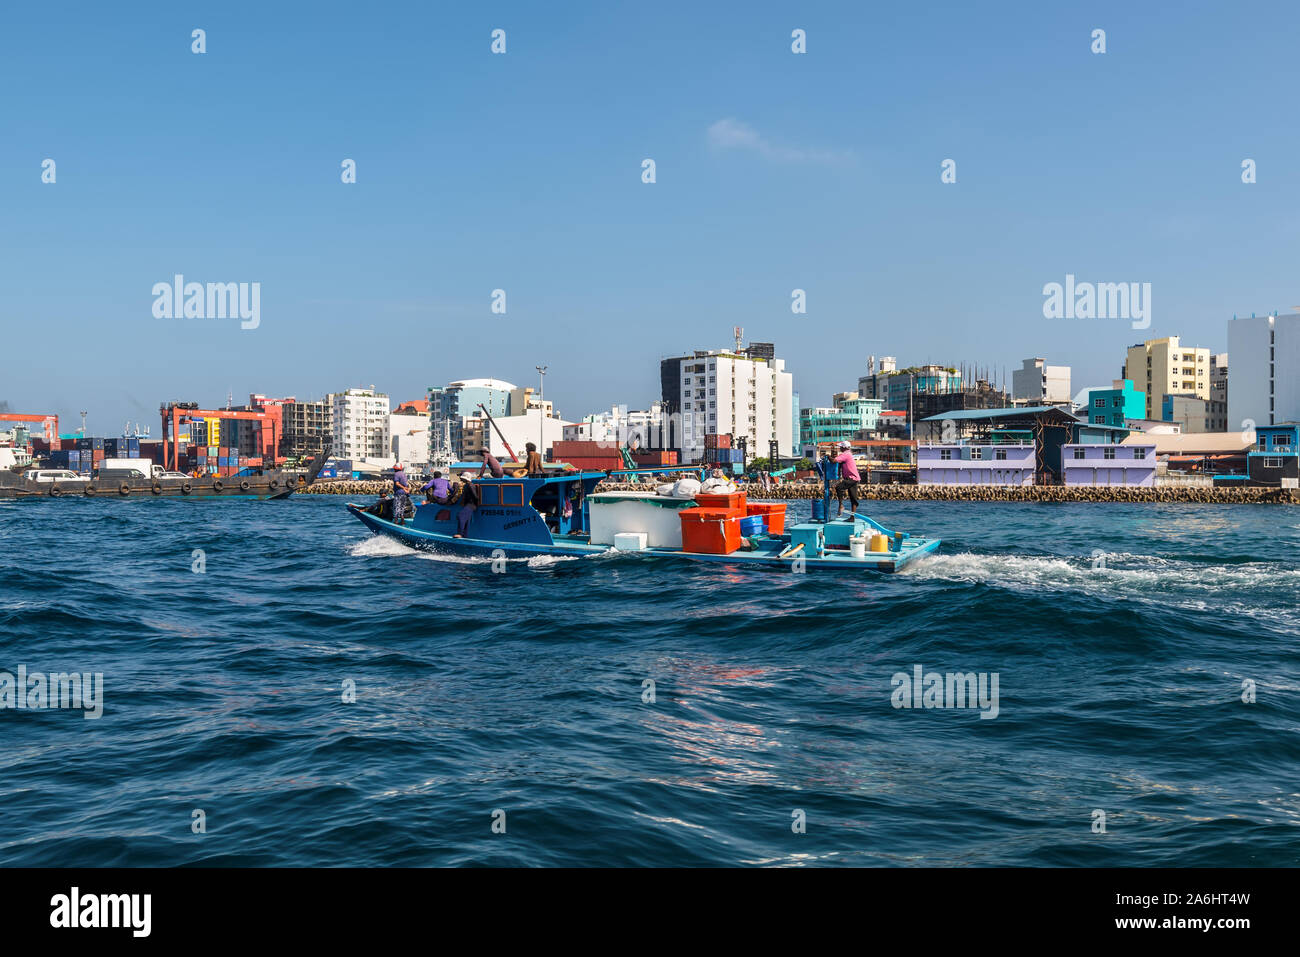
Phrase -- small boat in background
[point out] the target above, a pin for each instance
(562, 514)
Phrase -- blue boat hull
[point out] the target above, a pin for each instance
(768, 554)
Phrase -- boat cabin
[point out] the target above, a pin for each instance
(517, 510)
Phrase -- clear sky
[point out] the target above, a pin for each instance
(522, 172)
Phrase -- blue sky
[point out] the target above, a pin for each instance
(523, 172)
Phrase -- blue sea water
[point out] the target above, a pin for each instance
(1121, 636)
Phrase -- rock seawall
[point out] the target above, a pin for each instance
(939, 493)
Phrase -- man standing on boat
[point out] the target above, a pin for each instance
(849, 478)
(468, 503)
(401, 493)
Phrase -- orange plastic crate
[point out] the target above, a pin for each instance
(774, 512)
(710, 531)
(731, 501)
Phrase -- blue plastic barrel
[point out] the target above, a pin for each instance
(818, 510)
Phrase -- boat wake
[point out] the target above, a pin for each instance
(376, 546)
(381, 546)
(1122, 575)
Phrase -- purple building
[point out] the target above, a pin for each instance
(959, 463)
(1110, 463)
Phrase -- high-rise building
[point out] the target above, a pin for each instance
(746, 394)
(1161, 367)
(451, 405)
(1040, 383)
(307, 424)
(1264, 386)
(360, 424)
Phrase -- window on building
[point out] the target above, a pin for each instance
(1108, 452)
(945, 454)
(1000, 454)
(977, 453)
(1272, 463)
(1078, 453)
(1139, 453)
(1099, 403)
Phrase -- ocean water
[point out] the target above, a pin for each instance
(1121, 636)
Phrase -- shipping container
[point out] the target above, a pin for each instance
(594, 463)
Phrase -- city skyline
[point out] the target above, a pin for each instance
(775, 171)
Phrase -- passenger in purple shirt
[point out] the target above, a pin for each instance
(849, 479)
(436, 489)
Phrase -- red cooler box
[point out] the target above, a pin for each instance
(710, 531)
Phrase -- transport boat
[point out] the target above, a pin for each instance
(562, 514)
(250, 483)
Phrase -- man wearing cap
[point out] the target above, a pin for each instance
(490, 465)
(468, 503)
(849, 479)
(401, 493)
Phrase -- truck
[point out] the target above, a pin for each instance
(128, 468)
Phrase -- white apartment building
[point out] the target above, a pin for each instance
(749, 396)
(1264, 377)
(361, 426)
(1041, 383)
(1162, 367)
(620, 426)
(408, 429)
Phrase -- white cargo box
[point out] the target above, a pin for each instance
(654, 515)
(630, 541)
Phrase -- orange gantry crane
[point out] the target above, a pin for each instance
(173, 413)
(49, 422)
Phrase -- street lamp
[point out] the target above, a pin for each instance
(541, 391)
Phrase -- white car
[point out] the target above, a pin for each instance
(55, 475)
(172, 475)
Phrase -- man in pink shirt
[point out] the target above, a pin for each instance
(849, 479)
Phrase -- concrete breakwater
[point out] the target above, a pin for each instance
(1031, 493)
(938, 493)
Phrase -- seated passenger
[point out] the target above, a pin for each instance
(436, 489)
(490, 465)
